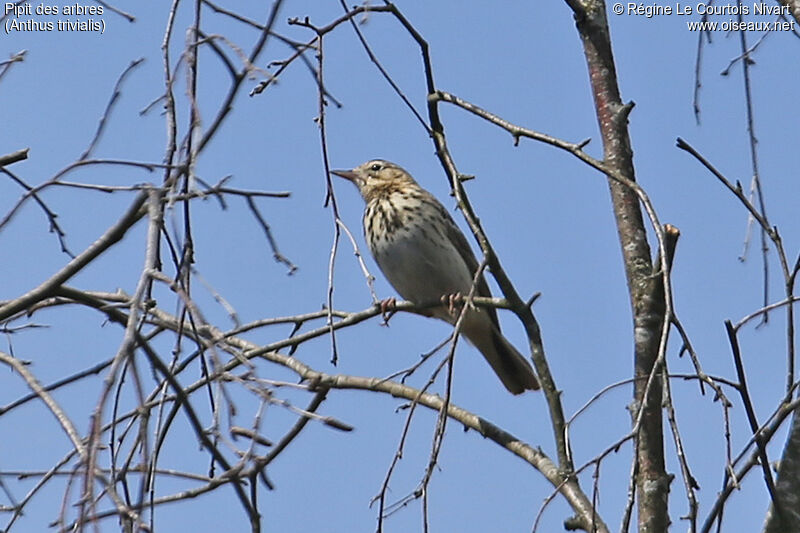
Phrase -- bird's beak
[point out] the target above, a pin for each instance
(346, 174)
(353, 176)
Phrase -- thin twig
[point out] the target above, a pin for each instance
(751, 414)
(115, 94)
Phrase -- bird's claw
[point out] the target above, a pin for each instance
(388, 309)
(452, 301)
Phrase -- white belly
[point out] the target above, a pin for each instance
(422, 266)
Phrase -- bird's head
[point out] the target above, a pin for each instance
(377, 177)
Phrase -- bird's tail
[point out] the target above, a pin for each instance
(510, 366)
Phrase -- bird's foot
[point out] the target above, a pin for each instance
(388, 309)
(452, 301)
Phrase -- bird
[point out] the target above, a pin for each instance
(426, 258)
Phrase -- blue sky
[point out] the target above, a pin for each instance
(547, 215)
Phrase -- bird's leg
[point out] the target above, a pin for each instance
(388, 309)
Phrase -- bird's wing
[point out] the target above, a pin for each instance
(465, 250)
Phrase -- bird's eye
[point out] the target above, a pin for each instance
(375, 167)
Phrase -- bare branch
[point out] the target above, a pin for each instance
(13, 157)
